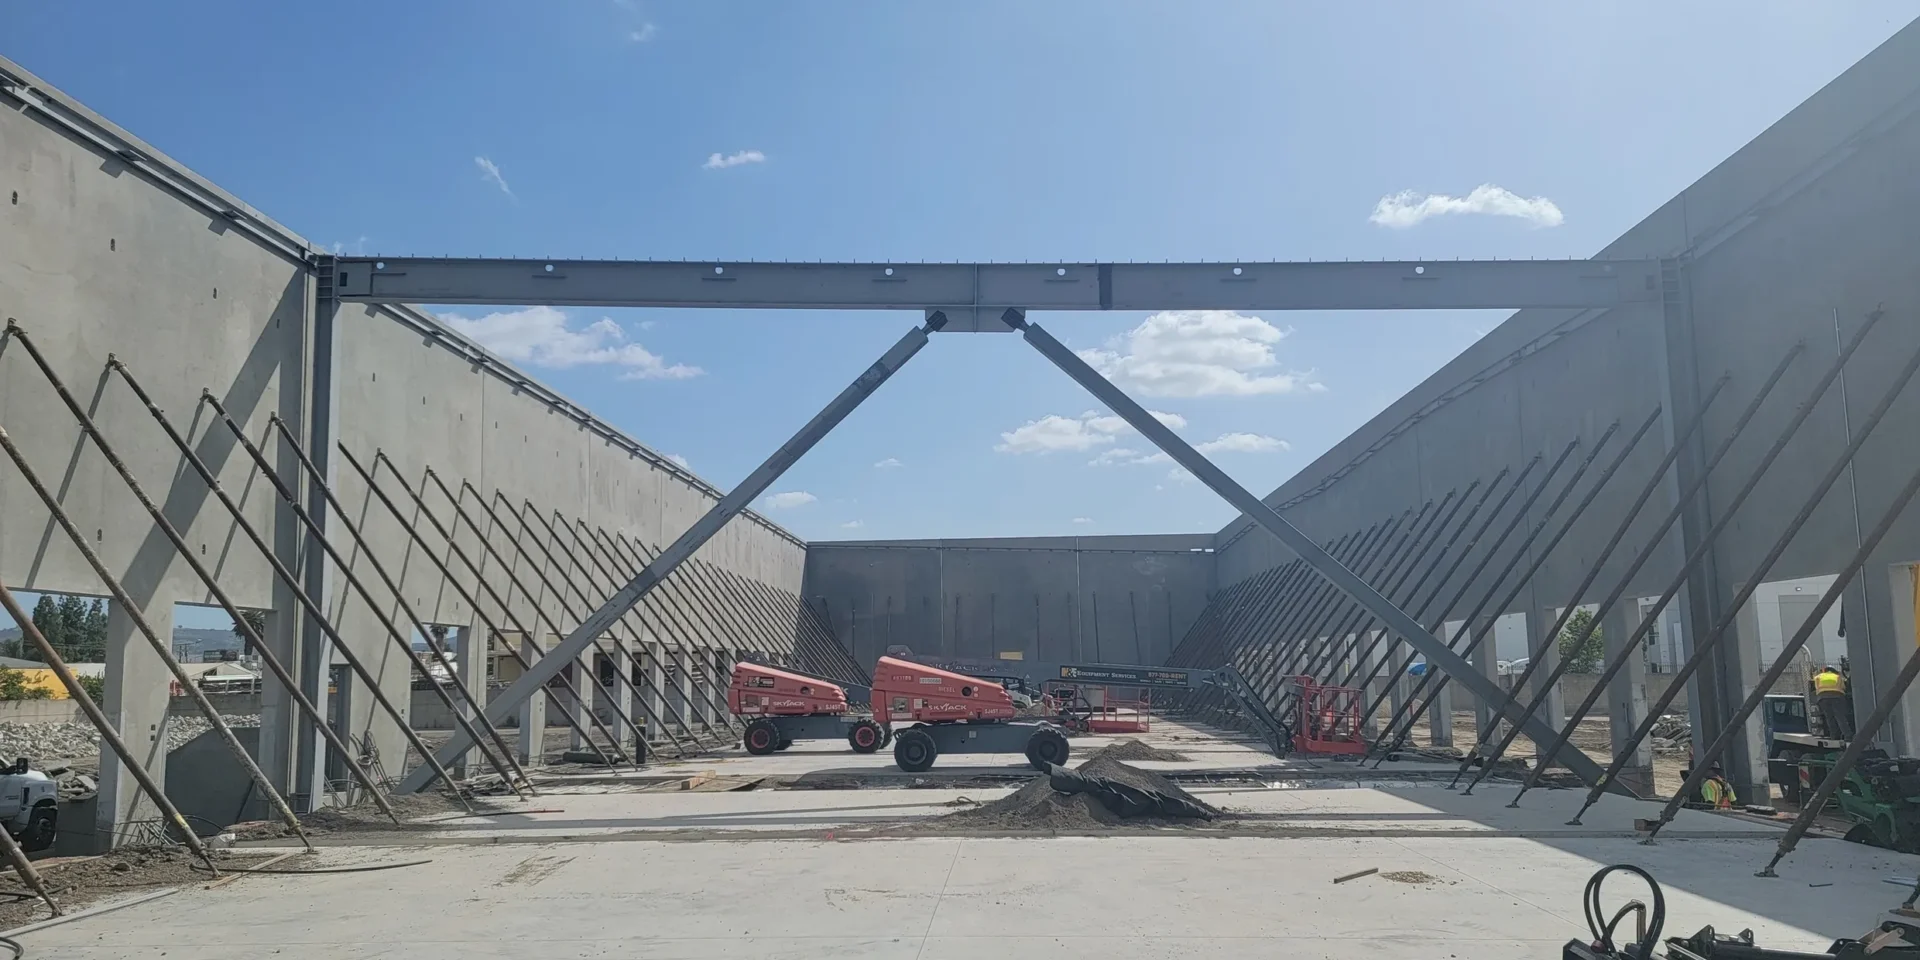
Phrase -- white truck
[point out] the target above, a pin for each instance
(29, 805)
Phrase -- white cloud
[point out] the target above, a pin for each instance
(642, 35)
(1082, 519)
(1408, 208)
(852, 525)
(1225, 443)
(889, 463)
(543, 336)
(491, 174)
(717, 162)
(1198, 353)
(680, 461)
(788, 500)
(1180, 475)
(356, 248)
(1054, 432)
(648, 324)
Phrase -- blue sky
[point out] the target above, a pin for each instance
(981, 131)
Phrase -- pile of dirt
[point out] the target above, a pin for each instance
(1137, 750)
(1409, 876)
(1037, 806)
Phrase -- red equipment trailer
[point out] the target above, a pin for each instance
(1328, 720)
(955, 713)
(1094, 709)
(788, 706)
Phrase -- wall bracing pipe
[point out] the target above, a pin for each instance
(1273, 625)
(1343, 624)
(252, 637)
(1445, 556)
(1540, 557)
(1888, 700)
(637, 639)
(505, 765)
(492, 626)
(1296, 626)
(108, 734)
(287, 577)
(539, 612)
(1299, 637)
(1256, 509)
(1631, 647)
(1365, 641)
(1391, 739)
(17, 858)
(161, 648)
(709, 524)
(1703, 763)
(1653, 544)
(1706, 645)
(1439, 622)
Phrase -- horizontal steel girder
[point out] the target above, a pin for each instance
(987, 288)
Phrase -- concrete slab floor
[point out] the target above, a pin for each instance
(1489, 898)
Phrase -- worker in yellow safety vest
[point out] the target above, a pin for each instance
(1715, 792)
(1830, 699)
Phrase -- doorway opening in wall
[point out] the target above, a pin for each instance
(76, 627)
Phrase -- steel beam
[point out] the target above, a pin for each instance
(967, 290)
(703, 529)
(1439, 655)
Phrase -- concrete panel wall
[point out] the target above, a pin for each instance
(1111, 599)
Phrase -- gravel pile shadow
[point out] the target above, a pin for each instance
(1037, 806)
(1137, 750)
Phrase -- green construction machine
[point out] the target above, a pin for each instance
(1880, 797)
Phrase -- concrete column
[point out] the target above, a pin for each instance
(619, 693)
(135, 702)
(656, 686)
(1626, 696)
(278, 715)
(1546, 652)
(471, 647)
(533, 714)
(683, 689)
(1745, 763)
(1485, 660)
(586, 679)
(1440, 710)
(1382, 657)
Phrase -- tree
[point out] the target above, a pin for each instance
(94, 636)
(95, 686)
(257, 619)
(14, 686)
(73, 628)
(1585, 657)
(46, 618)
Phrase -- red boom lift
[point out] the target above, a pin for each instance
(788, 706)
(955, 713)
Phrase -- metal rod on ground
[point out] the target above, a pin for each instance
(1631, 647)
(1393, 740)
(287, 577)
(539, 611)
(1446, 550)
(1440, 621)
(252, 637)
(446, 574)
(1737, 725)
(51, 657)
(504, 764)
(1541, 556)
(1544, 695)
(160, 648)
(1256, 509)
(1360, 626)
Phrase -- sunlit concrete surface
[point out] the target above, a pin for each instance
(1491, 898)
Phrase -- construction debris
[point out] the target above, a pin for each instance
(1368, 872)
(1672, 734)
(78, 744)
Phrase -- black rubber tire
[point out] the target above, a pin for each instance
(784, 744)
(1046, 746)
(914, 751)
(42, 826)
(762, 737)
(865, 736)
